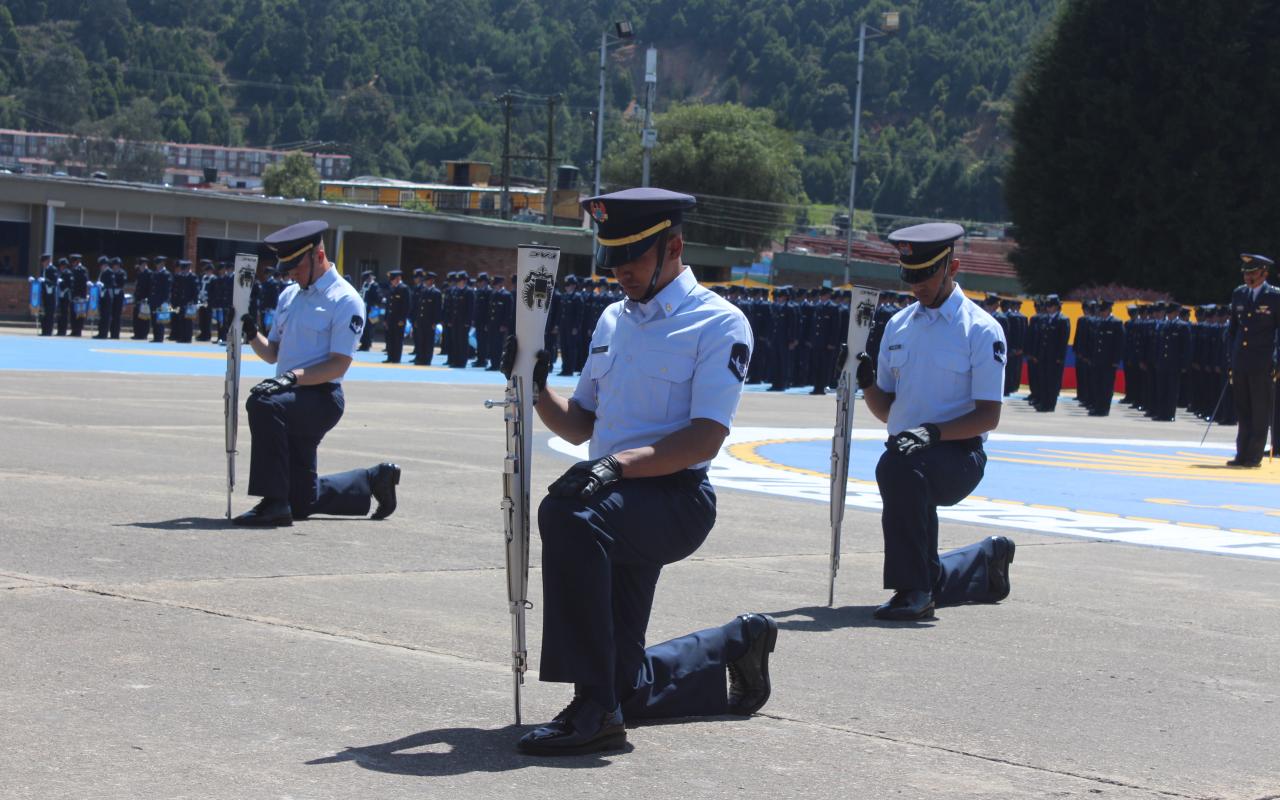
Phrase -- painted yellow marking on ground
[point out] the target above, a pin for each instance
(1254, 533)
(1208, 471)
(1241, 509)
(1047, 508)
(1148, 519)
(746, 451)
(1198, 525)
(1097, 513)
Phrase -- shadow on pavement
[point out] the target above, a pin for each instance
(821, 619)
(457, 751)
(183, 524)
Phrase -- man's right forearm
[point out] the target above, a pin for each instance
(878, 401)
(564, 417)
(263, 348)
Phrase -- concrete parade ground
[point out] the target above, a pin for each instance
(150, 649)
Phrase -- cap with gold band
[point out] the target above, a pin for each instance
(1252, 261)
(292, 243)
(924, 249)
(630, 222)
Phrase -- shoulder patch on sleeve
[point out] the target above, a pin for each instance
(739, 360)
(997, 349)
(357, 324)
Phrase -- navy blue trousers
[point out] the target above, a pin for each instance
(911, 488)
(287, 429)
(600, 564)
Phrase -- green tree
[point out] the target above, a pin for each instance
(717, 152)
(294, 176)
(1139, 155)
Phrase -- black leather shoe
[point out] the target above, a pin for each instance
(998, 567)
(267, 513)
(906, 606)
(749, 686)
(583, 727)
(383, 482)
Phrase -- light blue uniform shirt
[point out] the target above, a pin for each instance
(938, 361)
(655, 367)
(325, 318)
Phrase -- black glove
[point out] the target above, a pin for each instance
(249, 327)
(913, 440)
(275, 385)
(586, 478)
(866, 372)
(541, 366)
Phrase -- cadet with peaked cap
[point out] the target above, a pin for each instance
(48, 294)
(371, 296)
(1252, 333)
(424, 326)
(161, 290)
(399, 302)
(939, 387)
(1107, 351)
(79, 294)
(141, 297)
(502, 321)
(319, 321)
(661, 386)
(570, 316)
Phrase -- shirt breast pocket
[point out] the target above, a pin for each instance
(951, 371)
(667, 393)
(312, 332)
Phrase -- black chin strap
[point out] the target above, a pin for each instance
(311, 274)
(657, 270)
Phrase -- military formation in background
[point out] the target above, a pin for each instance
(1171, 357)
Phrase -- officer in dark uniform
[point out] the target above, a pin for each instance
(64, 295)
(141, 295)
(371, 295)
(220, 299)
(939, 387)
(111, 302)
(1252, 332)
(824, 341)
(571, 309)
(1082, 347)
(463, 311)
(609, 525)
(1173, 356)
(79, 294)
(786, 338)
(270, 297)
(415, 306)
(480, 319)
(311, 346)
(183, 299)
(105, 280)
(1107, 349)
(760, 318)
(48, 294)
(424, 326)
(502, 321)
(1016, 323)
(1053, 352)
(161, 290)
(399, 300)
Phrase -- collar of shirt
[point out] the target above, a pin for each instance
(947, 310)
(324, 281)
(664, 302)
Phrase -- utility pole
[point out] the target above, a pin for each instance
(549, 205)
(649, 137)
(505, 210)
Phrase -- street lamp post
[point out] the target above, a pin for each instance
(890, 22)
(624, 32)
